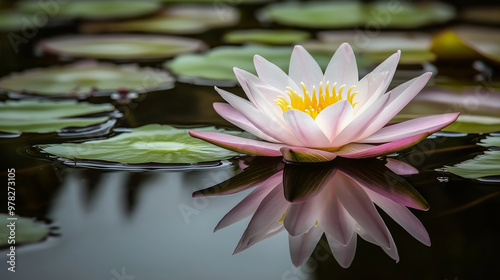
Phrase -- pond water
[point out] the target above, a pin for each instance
(119, 221)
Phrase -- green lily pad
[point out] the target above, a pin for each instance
(487, 164)
(42, 116)
(173, 20)
(217, 4)
(468, 43)
(478, 108)
(11, 20)
(265, 36)
(415, 47)
(152, 143)
(384, 14)
(84, 78)
(216, 65)
(120, 47)
(91, 9)
(26, 230)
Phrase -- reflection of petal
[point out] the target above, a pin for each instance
(301, 217)
(402, 216)
(361, 208)
(334, 219)
(302, 246)
(400, 167)
(391, 250)
(303, 182)
(251, 202)
(344, 254)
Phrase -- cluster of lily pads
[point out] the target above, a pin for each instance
(136, 32)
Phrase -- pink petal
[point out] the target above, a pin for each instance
(342, 68)
(302, 246)
(251, 202)
(400, 167)
(356, 127)
(399, 98)
(356, 150)
(402, 216)
(231, 115)
(239, 144)
(344, 254)
(303, 68)
(248, 241)
(334, 118)
(305, 129)
(359, 205)
(301, 154)
(273, 75)
(258, 118)
(408, 128)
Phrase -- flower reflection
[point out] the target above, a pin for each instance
(336, 199)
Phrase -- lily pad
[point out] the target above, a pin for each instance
(86, 77)
(265, 36)
(222, 4)
(152, 143)
(26, 230)
(92, 9)
(42, 116)
(384, 14)
(415, 47)
(120, 47)
(478, 108)
(467, 43)
(11, 20)
(216, 65)
(487, 164)
(173, 20)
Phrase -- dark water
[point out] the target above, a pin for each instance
(109, 224)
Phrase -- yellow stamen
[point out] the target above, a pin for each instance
(315, 102)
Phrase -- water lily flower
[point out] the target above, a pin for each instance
(311, 116)
(339, 204)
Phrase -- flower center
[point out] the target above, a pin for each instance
(314, 103)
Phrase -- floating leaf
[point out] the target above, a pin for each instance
(152, 143)
(173, 20)
(487, 164)
(478, 108)
(468, 43)
(92, 9)
(221, 5)
(84, 78)
(48, 116)
(384, 14)
(415, 47)
(265, 36)
(26, 230)
(11, 20)
(216, 65)
(115, 46)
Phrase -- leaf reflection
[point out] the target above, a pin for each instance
(336, 199)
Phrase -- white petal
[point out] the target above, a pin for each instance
(259, 119)
(303, 68)
(398, 99)
(342, 68)
(370, 88)
(301, 217)
(231, 115)
(305, 129)
(273, 75)
(358, 125)
(335, 220)
(334, 118)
